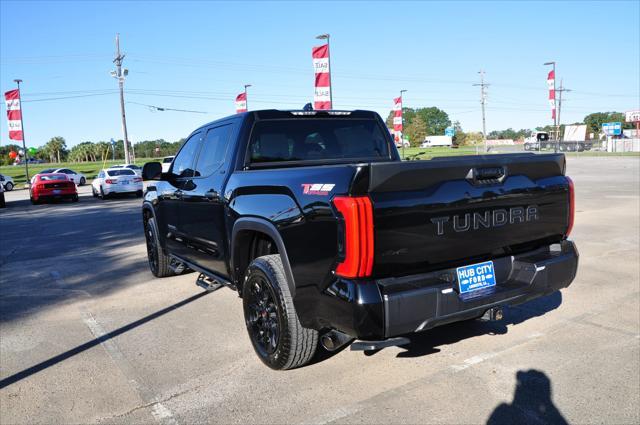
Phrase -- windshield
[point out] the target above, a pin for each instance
(52, 177)
(121, 172)
(47, 170)
(316, 139)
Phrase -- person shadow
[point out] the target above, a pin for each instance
(532, 402)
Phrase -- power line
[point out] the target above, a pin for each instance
(162, 108)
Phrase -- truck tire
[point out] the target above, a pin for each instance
(158, 260)
(276, 334)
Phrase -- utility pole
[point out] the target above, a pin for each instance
(24, 145)
(483, 98)
(560, 90)
(118, 73)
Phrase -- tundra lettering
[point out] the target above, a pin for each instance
(487, 219)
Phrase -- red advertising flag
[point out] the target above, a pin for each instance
(14, 115)
(322, 95)
(397, 118)
(241, 103)
(551, 82)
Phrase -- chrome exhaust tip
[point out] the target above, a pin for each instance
(334, 340)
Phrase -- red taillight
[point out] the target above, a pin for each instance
(572, 205)
(111, 181)
(358, 236)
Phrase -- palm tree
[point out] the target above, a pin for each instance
(56, 144)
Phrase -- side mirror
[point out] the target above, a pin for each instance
(151, 171)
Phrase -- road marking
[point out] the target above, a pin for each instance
(160, 412)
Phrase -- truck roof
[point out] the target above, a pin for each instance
(264, 114)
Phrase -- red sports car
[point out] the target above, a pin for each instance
(53, 186)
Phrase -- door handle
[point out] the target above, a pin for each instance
(211, 195)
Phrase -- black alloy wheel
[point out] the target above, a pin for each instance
(261, 315)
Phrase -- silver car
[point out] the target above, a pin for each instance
(7, 182)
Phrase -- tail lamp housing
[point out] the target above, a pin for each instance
(357, 213)
(572, 205)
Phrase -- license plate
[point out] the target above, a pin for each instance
(476, 276)
(56, 191)
(125, 182)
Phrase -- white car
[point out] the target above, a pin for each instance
(136, 169)
(78, 178)
(166, 163)
(6, 182)
(116, 180)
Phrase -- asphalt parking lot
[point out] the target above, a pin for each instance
(88, 335)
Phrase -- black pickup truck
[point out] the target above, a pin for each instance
(329, 237)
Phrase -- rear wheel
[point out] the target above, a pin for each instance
(75, 198)
(83, 181)
(102, 195)
(93, 192)
(9, 187)
(277, 336)
(158, 260)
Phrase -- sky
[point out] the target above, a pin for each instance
(197, 56)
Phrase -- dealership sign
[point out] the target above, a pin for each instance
(14, 114)
(632, 116)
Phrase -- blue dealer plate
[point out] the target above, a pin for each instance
(475, 277)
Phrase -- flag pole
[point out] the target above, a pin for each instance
(24, 146)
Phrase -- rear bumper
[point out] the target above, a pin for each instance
(396, 306)
(121, 188)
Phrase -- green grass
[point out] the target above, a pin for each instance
(89, 169)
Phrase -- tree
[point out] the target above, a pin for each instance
(416, 130)
(57, 145)
(594, 121)
(436, 120)
(433, 121)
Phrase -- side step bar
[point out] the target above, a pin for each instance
(207, 283)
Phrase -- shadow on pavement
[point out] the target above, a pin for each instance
(426, 342)
(87, 345)
(532, 402)
(55, 253)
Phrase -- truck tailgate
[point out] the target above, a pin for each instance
(453, 211)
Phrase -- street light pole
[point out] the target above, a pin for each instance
(402, 122)
(246, 98)
(328, 38)
(24, 145)
(555, 115)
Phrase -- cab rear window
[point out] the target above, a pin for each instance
(318, 139)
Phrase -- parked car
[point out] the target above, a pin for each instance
(6, 182)
(77, 178)
(136, 169)
(50, 186)
(2, 201)
(116, 180)
(329, 237)
(166, 163)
